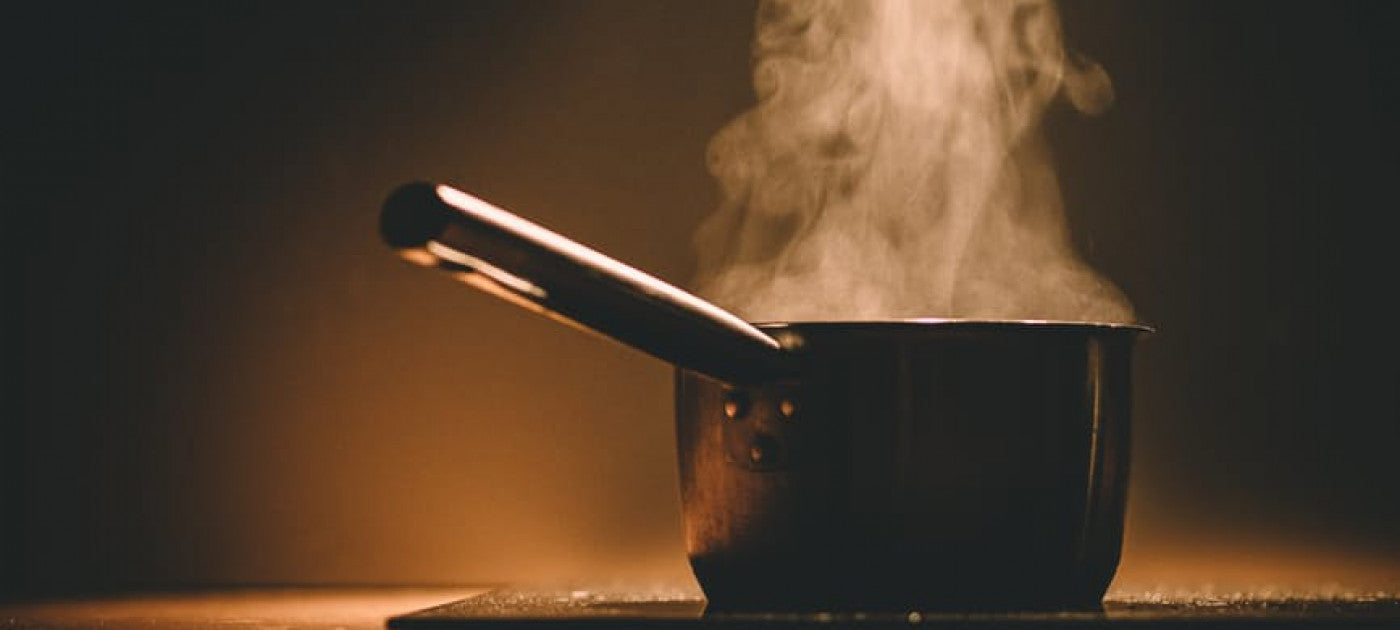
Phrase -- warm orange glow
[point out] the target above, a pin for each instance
(1263, 570)
(223, 403)
(418, 257)
(347, 608)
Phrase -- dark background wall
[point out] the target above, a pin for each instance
(219, 375)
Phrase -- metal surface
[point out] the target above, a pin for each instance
(660, 609)
(289, 607)
(848, 465)
(530, 266)
(969, 465)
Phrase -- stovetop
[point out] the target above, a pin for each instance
(663, 609)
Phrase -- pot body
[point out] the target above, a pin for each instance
(912, 465)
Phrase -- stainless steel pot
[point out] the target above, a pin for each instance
(910, 464)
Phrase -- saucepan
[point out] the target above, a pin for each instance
(914, 464)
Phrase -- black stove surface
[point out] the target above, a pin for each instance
(635, 610)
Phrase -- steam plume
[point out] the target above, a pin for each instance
(893, 168)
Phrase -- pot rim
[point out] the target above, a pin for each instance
(957, 322)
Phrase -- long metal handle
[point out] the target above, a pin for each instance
(514, 259)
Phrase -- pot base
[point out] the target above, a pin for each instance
(797, 585)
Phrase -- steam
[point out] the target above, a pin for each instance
(892, 167)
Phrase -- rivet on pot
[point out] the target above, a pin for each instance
(789, 340)
(787, 407)
(763, 449)
(736, 405)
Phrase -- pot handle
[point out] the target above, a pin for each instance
(492, 250)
